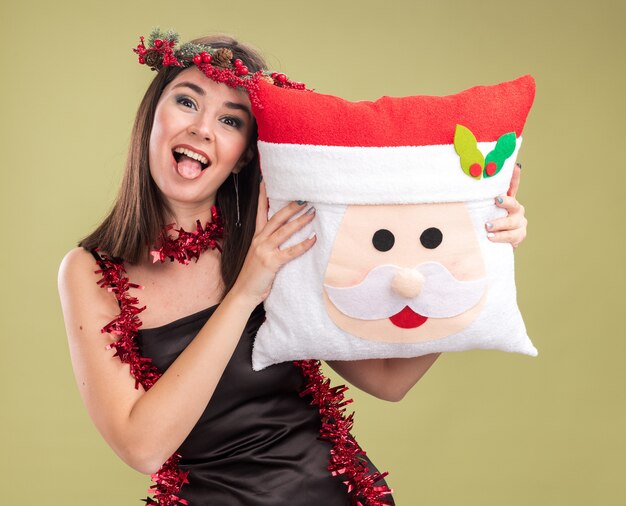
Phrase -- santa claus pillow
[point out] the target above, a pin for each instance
(402, 188)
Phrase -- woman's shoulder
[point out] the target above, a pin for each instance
(78, 260)
(78, 276)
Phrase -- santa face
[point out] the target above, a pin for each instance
(405, 273)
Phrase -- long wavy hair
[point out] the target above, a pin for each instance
(140, 213)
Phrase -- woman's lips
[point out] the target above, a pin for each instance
(408, 319)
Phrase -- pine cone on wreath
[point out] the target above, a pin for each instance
(154, 60)
(222, 57)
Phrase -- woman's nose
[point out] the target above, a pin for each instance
(202, 129)
(408, 283)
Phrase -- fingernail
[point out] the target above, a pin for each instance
(500, 200)
(311, 210)
(519, 165)
(311, 236)
(491, 235)
(489, 225)
(300, 202)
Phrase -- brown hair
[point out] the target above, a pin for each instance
(140, 213)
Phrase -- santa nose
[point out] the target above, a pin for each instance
(408, 283)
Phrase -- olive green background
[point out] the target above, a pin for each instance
(482, 428)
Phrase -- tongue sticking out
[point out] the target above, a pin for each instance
(188, 167)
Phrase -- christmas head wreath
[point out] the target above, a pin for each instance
(162, 49)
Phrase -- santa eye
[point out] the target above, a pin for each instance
(383, 240)
(431, 238)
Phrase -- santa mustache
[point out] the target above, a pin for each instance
(428, 289)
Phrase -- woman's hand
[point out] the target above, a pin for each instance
(265, 257)
(512, 228)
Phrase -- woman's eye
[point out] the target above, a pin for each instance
(186, 102)
(232, 121)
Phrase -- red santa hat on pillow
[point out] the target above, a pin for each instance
(408, 150)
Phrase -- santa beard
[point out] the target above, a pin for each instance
(441, 294)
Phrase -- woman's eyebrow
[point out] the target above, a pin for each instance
(193, 86)
(238, 106)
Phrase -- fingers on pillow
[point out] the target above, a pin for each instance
(514, 186)
(514, 237)
(509, 203)
(298, 249)
(288, 229)
(512, 222)
(283, 216)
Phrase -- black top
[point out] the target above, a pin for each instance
(257, 442)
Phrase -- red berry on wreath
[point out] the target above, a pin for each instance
(475, 169)
(197, 59)
(206, 57)
(142, 60)
(238, 63)
(281, 78)
(158, 43)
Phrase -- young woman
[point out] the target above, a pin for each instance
(172, 382)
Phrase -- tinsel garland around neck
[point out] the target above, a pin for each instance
(189, 245)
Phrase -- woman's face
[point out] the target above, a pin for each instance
(200, 135)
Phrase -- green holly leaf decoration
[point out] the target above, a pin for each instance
(496, 158)
(465, 144)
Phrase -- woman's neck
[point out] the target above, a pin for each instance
(185, 216)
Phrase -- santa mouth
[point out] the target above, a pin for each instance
(189, 164)
(408, 319)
